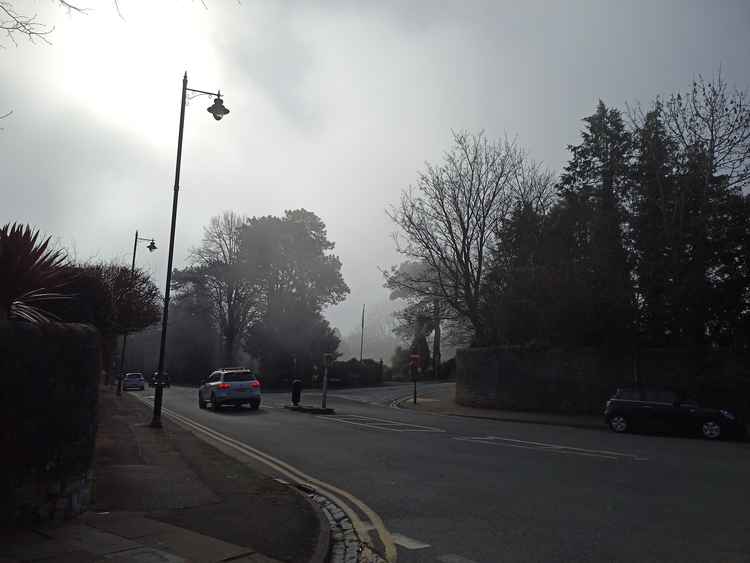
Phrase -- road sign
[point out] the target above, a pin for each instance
(415, 360)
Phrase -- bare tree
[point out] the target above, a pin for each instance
(533, 185)
(710, 126)
(18, 24)
(219, 268)
(14, 23)
(714, 120)
(449, 222)
(413, 283)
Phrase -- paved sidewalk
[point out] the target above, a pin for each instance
(166, 496)
(121, 537)
(442, 401)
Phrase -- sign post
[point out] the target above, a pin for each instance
(414, 363)
(327, 361)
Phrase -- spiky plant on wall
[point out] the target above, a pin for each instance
(31, 274)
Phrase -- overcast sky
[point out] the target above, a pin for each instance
(335, 107)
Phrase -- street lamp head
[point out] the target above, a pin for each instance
(217, 109)
(151, 246)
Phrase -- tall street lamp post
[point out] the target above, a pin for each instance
(218, 111)
(151, 247)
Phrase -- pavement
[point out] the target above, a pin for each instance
(441, 399)
(166, 496)
(446, 489)
(413, 485)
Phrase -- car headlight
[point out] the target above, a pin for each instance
(727, 414)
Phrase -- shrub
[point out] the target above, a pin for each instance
(32, 275)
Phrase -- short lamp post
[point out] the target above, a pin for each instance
(217, 110)
(327, 363)
(151, 247)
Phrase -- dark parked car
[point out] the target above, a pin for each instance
(663, 410)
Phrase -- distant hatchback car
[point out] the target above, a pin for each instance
(663, 410)
(230, 386)
(133, 381)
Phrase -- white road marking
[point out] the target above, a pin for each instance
(553, 448)
(356, 398)
(381, 419)
(380, 426)
(379, 423)
(407, 542)
(583, 450)
(535, 448)
(451, 558)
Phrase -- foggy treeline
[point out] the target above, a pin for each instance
(642, 241)
(254, 290)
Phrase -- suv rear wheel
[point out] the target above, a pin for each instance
(618, 423)
(201, 402)
(711, 429)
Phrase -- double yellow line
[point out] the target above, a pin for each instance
(335, 494)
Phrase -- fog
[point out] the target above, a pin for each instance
(335, 107)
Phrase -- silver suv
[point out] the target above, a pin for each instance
(230, 386)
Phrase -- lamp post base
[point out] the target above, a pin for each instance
(158, 397)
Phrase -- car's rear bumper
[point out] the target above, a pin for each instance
(238, 401)
(246, 396)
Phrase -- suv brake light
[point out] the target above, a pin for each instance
(224, 386)
(255, 384)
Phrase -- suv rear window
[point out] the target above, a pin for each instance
(629, 394)
(239, 376)
(133, 376)
(660, 396)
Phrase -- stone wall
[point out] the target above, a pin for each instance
(581, 380)
(47, 421)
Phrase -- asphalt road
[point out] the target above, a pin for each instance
(459, 490)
